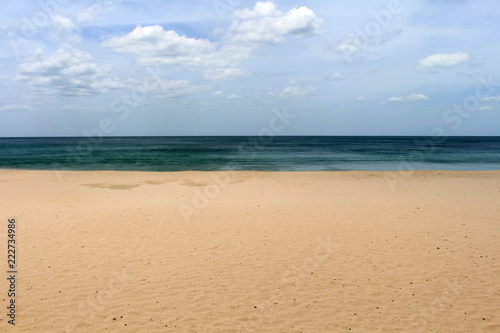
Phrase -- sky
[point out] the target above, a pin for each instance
(240, 67)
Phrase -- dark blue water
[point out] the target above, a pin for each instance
(251, 153)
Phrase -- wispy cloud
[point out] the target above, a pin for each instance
(295, 89)
(335, 77)
(82, 108)
(221, 94)
(354, 46)
(350, 46)
(485, 108)
(90, 14)
(410, 98)
(225, 74)
(396, 99)
(491, 99)
(17, 107)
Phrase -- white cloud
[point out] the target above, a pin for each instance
(69, 73)
(491, 99)
(265, 24)
(485, 108)
(296, 90)
(63, 23)
(90, 14)
(172, 88)
(416, 97)
(335, 77)
(82, 108)
(350, 46)
(353, 46)
(225, 74)
(17, 107)
(155, 46)
(220, 93)
(410, 98)
(261, 9)
(361, 98)
(395, 99)
(442, 60)
(64, 29)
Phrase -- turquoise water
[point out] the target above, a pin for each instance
(251, 153)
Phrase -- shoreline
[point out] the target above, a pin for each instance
(260, 171)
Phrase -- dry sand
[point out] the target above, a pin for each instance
(254, 251)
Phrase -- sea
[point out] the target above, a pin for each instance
(270, 153)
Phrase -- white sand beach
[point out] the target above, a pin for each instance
(254, 251)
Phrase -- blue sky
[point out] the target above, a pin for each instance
(228, 67)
